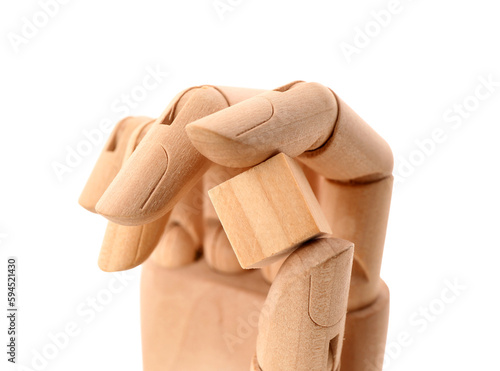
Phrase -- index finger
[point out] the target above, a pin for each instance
(301, 119)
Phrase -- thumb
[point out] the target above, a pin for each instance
(308, 296)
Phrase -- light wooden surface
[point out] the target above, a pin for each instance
(268, 211)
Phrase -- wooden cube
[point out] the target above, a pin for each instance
(268, 211)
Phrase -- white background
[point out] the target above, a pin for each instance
(428, 58)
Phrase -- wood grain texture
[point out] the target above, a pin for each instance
(270, 271)
(268, 211)
(217, 249)
(301, 327)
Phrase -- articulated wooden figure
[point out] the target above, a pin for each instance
(302, 186)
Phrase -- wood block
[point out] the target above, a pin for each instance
(268, 211)
(217, 249)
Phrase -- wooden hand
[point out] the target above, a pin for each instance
(158, 195)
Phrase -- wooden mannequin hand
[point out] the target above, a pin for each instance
(351, 168)
(203, 313)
